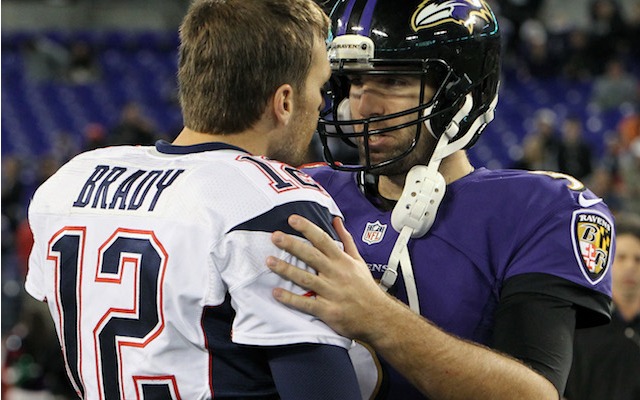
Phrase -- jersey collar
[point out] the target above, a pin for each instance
(167, 148)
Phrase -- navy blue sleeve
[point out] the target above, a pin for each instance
(313, 372)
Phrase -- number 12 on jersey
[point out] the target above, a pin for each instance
(130, 266)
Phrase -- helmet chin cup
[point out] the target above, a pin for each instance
(418, 205)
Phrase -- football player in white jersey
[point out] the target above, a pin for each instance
(151, 258)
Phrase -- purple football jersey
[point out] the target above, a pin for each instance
(491, 226)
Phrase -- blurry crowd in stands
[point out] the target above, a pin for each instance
(600, 50)
(48, 60)
(559, 146)
(606, 55)
(32, 362)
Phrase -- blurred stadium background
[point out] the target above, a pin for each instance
(77, 74)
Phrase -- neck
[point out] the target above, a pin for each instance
(452, 168)
(252, 141)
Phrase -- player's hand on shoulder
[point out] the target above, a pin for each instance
(344, 293)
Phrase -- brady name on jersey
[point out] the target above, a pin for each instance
(143, 310)
(131, 188)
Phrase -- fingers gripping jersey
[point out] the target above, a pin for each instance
(152, 264)
(491, 226)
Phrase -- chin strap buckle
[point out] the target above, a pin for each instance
(423, 191)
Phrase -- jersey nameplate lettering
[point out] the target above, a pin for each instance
(109, 187)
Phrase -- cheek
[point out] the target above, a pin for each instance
(623, 267)
(314, 99)
(305, 125)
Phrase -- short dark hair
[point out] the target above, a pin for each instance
(628, 224)
(234, 54)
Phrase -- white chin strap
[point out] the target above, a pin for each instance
(423, 192)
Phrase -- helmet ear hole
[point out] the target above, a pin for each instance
(456, 89)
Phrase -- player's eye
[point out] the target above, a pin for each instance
(394, 82)
(355, 81)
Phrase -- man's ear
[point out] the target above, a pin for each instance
(283, 104)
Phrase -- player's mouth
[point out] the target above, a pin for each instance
(379, 141)
(631, 282)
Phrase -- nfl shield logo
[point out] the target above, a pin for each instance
(373, 232)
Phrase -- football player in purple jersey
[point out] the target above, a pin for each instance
(503, 265)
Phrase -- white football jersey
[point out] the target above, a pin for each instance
(152, 258)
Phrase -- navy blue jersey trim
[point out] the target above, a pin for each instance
(313, 372)
(237, 371)
(167, 148)
(276, 219)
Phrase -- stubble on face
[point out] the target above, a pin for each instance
(405, 138)
(303, 123)
(299, 132)
(395, 143)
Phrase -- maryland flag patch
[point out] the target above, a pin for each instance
(592, 234)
